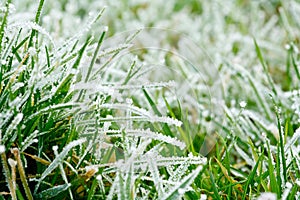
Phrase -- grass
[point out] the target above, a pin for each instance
(133, 102)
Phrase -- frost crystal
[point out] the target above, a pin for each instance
(91, 168)
(32, 51)
(55, 148)
(243, 104)
(11, 8)
(2, 149)
(12, 162)
(267, 196)
(287, 47)
(181, 191)
(289, 185)
(298, 182)
(203, 197)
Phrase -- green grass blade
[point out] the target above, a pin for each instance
(156, 178)
(37, 20)
(296, 66)
(266, 70)
(273, 182)
(166, 128)
(92, 190)
(52, 192)
(251, 176)
(128, 184)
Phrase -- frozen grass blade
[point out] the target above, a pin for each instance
(155, 174)
(180, 188)
(102, 67)
(93, 61)
(266, 70)
(3, 24)
(166, 128)
(281, 140)
(296, 66)
(129, 184)
(121, 188)
(53, 192)
(58, 160)
(94, 56)
(92, 190)
(37, 20)
(13, 164)
(62, 170)
(147, 134)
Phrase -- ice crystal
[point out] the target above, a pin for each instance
(2, 149)
(243, 104)
(32, 51)
(267, 196)
(59, 158)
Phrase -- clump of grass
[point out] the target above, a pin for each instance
(78, 141)
(92, 114)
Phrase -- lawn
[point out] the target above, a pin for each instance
(149, 99)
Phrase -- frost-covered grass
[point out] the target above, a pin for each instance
(138, 100)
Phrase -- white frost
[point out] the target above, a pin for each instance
(243, 104)
(2, 149)
(267, 196)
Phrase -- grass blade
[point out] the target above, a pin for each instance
(178, 190)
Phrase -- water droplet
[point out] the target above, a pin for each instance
(203, 197)
(129, 101)
(267, 196)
